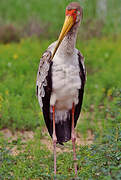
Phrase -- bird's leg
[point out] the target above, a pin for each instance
(73, 137)
(54, 140)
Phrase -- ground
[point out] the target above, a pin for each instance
(45, 140)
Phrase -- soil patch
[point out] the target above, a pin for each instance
(45, 140)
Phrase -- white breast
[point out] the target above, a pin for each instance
(66, 81)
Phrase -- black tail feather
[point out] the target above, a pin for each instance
(63, 130)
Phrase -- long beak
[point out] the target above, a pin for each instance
(66, 27)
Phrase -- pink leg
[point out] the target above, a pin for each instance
(54, 140)
(73, 137)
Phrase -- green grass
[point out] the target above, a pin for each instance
(51, 12)
(99, 161)
(19, 108)
(103, 72)
(101, 113)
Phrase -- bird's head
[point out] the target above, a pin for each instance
(74, 10)
(73, 16)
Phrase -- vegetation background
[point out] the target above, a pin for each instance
(26, 30)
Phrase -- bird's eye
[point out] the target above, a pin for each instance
(78, 13)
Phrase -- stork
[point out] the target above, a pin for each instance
(60, 82)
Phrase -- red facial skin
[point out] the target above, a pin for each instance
(72, 12)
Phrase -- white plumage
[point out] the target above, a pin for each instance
(66, 80)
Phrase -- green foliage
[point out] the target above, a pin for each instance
(102, 58)
(99, 161)
(52, 12)
(19, 64)
(19, 108)
(101, 113)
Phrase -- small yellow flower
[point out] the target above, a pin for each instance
(1, 99)
(15, 56)
(103, 89)
(22, 41)
(7, 92)
(8, 45)
(109, 93)
(40, 114)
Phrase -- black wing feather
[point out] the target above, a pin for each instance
(46, 101)
(81, 91)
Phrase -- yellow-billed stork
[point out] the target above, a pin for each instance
(60, 82)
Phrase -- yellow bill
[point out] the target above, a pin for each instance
(66, 27)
